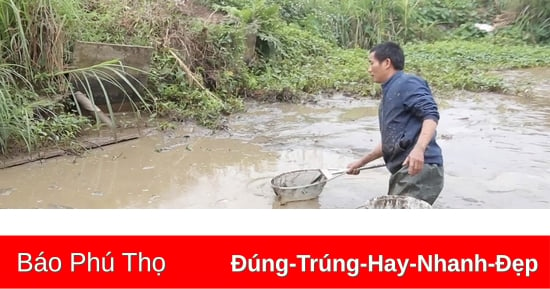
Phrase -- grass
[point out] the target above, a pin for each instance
(14, 111)
(464, 64)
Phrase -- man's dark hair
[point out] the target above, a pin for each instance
(392, 51)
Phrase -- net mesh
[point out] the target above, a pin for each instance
(298, 185)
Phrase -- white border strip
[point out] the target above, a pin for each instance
(274, 222)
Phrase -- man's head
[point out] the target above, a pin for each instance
(385, 59)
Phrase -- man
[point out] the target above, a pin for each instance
(408, 118)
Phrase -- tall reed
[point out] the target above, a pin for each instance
(363, 23)
(15, 114)
(532, 17)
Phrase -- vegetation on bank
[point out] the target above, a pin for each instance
(210, 55)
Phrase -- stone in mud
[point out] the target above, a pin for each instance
(6, 191)
(97, 194)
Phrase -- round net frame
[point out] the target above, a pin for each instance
(298, 185)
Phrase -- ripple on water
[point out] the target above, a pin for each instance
(261, 187)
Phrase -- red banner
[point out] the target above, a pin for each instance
(275, 261)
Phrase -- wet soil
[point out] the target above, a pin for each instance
(496, 150)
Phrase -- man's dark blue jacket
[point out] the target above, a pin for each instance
(406, 102)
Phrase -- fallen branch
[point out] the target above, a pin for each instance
(190, 77)
(59, 152)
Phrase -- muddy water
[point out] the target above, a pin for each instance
(496, 150)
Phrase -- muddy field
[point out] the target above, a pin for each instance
(496, 150)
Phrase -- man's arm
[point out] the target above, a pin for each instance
(419, 100)
(422, 104)
(375, 154)
(426, 134)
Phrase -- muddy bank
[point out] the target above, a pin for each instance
(496, 150)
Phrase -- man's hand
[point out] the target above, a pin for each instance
(354, 167)
(415, 161)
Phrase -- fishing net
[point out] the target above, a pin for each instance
(308, 184)
(298, 185)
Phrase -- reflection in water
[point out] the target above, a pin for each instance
(496, 150)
